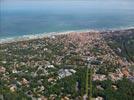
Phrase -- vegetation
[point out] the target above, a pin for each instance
(57, 68)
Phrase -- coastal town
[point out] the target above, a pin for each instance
(54, 67)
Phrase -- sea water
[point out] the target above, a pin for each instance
(33, 17)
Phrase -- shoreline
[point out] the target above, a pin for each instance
(44, 35)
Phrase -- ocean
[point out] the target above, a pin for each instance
(30, 17)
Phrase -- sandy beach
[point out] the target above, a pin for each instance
(52, 34)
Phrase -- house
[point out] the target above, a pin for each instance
(42, 98)
(115, 76)
(99, 77)
(125, 72)
(114, 87)
(99, 98)
(100, 87)
(24, 81)
(65, 98)
(2, 69)
(13, 88)
(49, 66)
(14, 71)
(65, 72)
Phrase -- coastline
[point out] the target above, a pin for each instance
(51, 34)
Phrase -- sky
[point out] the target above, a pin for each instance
(39, 4)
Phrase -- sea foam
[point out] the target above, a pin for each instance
(42, 35)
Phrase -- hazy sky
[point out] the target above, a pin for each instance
(43, 4)
(68, 6)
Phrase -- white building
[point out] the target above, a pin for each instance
(65, 72)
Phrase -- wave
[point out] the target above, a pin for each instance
(50, 34)
(38, 36)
